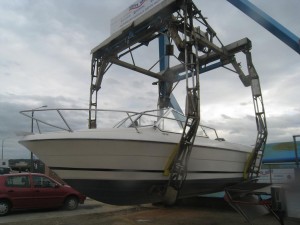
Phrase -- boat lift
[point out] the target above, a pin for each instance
(179, 23)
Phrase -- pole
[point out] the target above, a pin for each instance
(31, 154)
(296, 150)
(2, 149)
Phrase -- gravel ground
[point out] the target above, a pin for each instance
(192, 212)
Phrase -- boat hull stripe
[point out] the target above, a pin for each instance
(129, 140)
(131, 170)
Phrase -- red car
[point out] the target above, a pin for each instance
(35, 191)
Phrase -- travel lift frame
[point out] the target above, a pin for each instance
(198, 53)
(286, 36)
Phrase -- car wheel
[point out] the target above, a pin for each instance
(4, 207)
(71, 203)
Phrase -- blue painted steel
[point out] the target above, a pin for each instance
(282, 152)
(281, 159)
(268, 23)
(164, 59)
(174, 104)
(164, 64)
(202, 70)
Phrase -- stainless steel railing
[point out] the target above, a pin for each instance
(124, 119)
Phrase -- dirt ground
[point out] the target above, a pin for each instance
(189, 212)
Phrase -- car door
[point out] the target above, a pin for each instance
(18, 189)
(47, 193)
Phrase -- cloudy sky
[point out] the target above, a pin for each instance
(45, 60)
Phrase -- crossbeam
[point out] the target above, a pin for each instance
(212, 57)
(137, 69)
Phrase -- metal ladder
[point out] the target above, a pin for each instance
(98, 68)
(93, 96)
(252, 171)
(183, 150)
(252, 167)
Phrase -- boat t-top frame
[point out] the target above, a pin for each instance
(198, 50)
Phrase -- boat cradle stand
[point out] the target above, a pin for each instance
(250, 199)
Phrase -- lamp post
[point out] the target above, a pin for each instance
(296, 150)
(2, 149)
(32, 114)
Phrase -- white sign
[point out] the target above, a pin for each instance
(134, 11)
(276, 176)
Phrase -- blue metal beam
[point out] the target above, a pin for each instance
(268, 23)
(163, 65)
(202, 70)
(164, 59)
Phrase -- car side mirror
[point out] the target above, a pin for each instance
(56, 186)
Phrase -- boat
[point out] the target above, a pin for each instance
(126, 164)
(140, 159)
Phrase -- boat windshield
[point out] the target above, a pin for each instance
(165, 119)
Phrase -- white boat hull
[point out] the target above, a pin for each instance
(127, 167)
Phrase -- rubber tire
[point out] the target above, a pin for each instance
(71, 203)
(4, 207)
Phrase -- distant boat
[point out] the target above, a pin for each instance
(125, 165)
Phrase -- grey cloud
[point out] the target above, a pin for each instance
(45, 59)
(225, 116)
